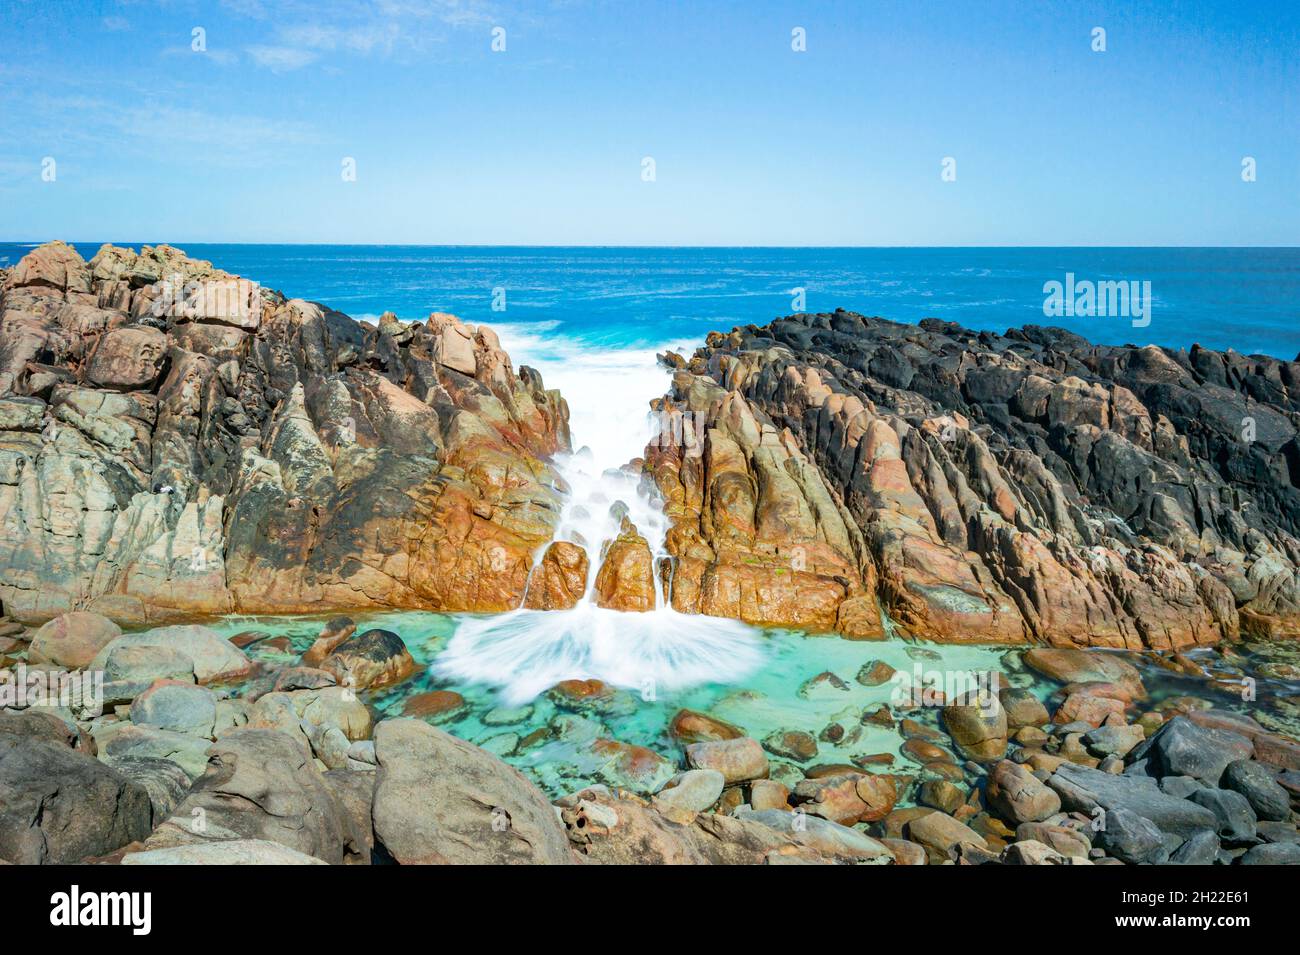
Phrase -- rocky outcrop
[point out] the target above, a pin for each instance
(981, 487)
(176, 441)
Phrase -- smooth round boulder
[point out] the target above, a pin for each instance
(370, 660)
(693, 791)
(215, 658)
(738, 760)
(72, 640)
(176, 706)
(977, 723)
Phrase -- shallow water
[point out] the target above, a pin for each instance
(766, 698)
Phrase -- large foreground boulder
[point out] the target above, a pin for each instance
(261, 785)
(1083, 789)
(59, 806)
(439, 799)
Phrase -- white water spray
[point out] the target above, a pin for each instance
(525, 652)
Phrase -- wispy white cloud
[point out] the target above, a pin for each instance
(157, 128)
(281, 59)
(116, 24)
(305, 32)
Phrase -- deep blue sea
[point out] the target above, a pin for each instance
(1246, 299)
(584, 314)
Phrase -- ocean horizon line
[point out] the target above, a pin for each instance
(459, 245)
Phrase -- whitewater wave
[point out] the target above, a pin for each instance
(526, 652)
(608, 386)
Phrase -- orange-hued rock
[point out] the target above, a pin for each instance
(625, 580)
(434, 705)
(185, 442)
(756, 533)
(560, 579)
(689, 726)
(336, 630)
(978, 488)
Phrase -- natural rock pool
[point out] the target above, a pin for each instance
(620, 735)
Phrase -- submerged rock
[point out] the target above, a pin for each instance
(738, 760)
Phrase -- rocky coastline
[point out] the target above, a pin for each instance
(178, 444)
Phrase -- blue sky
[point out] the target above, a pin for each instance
(753, 143)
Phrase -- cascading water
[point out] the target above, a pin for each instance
(525, 652)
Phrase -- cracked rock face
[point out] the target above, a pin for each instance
(982, 487)
(175, 440)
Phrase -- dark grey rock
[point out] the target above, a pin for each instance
(164, 781)
(1181, 787)
(1201, 848)
(59, 806)
(1182, 748)
(1236, 818)
(1083, 789)
(1259, 785)
(1132, 839)
(1272, 853)
(1271, 831)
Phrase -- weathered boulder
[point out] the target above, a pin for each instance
(1085, 790)
(1184, 748)
(1132, 838)
(823, 835)
(260, 785)
(60, 806)
(72, 640)
(791, 744)
(1236, 819)
(122, 739)
(176, 706)
(941, 835)
(625, 580)
(165, 781)
(1016, 795)
(1022, 708)
(370, 660)
(977, 723)
(560, 580)
(1259, 785)
(214, 658)
(694, 790)
(688, 726)
(1085, 666)
(737, 759)
(232, 852)
(439, 799)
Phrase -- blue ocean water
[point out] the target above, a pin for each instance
(1245, 299)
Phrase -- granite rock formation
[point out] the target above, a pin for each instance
(980, 487)
(177, 441)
